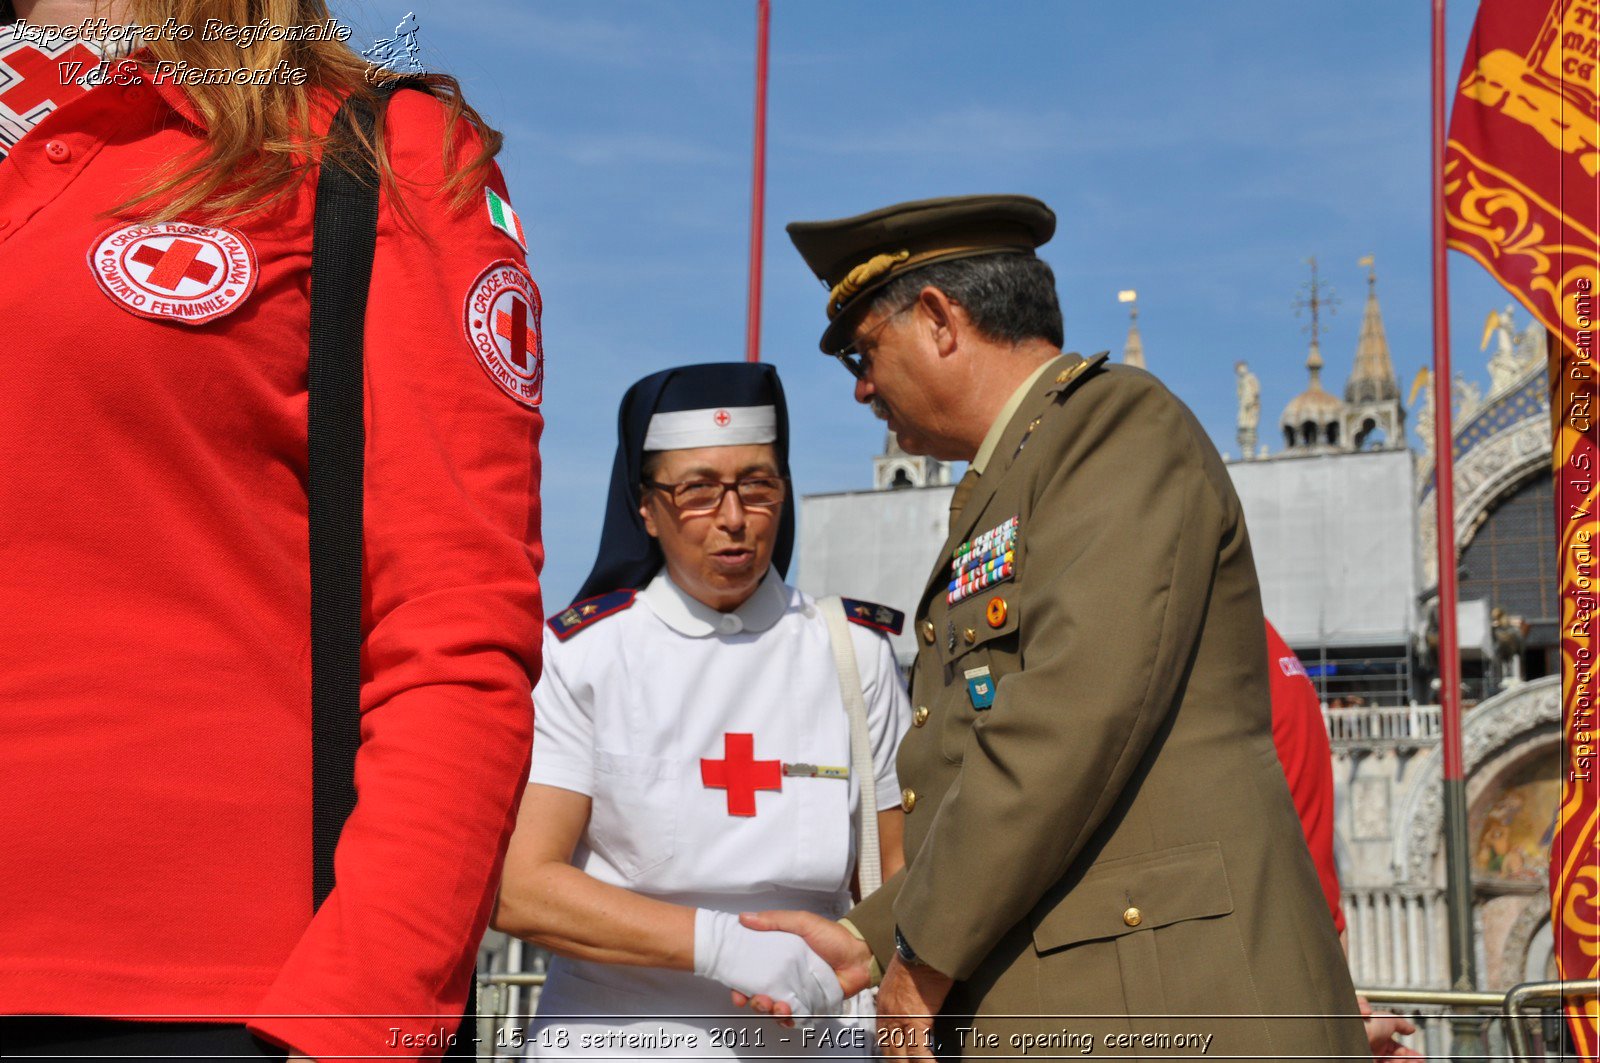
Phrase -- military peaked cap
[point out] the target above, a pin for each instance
(854, 257)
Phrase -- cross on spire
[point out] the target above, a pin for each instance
(1315, 301)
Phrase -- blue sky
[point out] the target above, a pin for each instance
(1197, 152)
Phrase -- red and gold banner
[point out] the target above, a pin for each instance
(1522, 196)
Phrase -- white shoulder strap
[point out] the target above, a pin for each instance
(869, 866)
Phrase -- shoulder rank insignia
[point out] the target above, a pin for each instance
(580, 615)
(1073, 373)
(871, 614)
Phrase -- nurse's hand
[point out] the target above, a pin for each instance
(847, 954)
(776, 965)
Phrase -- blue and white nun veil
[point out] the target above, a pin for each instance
(717, 404)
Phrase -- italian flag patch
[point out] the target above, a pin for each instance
(502, 217)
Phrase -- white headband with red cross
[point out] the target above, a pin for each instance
(714, 426)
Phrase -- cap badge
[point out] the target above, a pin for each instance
(860, 277)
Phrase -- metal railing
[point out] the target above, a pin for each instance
(499, 994)
(1524, 1015)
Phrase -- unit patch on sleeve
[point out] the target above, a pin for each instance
(175, 271)
(502, 321)
(502, 217)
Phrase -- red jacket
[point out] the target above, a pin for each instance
(154, 632)
(1302, 742)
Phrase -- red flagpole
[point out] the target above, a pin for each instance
(758, 191)
(1463, 966)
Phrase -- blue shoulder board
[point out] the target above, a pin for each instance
(871, 614)
(580, 615)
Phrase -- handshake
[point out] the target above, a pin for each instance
(787, 963)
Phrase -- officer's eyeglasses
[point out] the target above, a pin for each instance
(857, 358)
(703, 496)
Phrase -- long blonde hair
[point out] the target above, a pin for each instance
(260, 141)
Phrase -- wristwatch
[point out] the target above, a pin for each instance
(903, 949)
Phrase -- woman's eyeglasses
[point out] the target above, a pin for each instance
(701, 496)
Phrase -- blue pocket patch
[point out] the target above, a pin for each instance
(980, 687)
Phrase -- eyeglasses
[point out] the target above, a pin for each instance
(703, 496)
(857, 358)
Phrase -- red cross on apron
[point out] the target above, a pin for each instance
(741, 774)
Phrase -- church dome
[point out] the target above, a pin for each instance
(1312, 417)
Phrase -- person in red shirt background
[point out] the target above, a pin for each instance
(1301, 739)
(155, 733)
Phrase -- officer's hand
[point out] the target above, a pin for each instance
(848, 955)
(778, 965)
(1382, 1026)
(908, 1000)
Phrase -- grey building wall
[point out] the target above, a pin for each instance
(876, 545)
(1334, 537)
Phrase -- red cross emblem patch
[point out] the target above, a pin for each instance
(175, 271)
(739, 773)
(502, 321)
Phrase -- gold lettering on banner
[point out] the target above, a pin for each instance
(1555, 87)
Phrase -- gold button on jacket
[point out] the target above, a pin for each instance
(908, 799)
(919, 717)
(1126, 752)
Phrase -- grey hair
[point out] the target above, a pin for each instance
(1009, 297)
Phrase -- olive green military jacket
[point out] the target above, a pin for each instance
(1112, 836)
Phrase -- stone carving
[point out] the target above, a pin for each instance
(1249, 392)
(1468, 399)
(1369, 809)
(1506, 363)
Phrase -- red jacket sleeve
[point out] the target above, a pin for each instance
(452, 619)
(1301, 739)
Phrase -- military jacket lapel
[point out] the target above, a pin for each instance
(1034, 407)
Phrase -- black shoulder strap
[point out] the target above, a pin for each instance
(344, 236)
